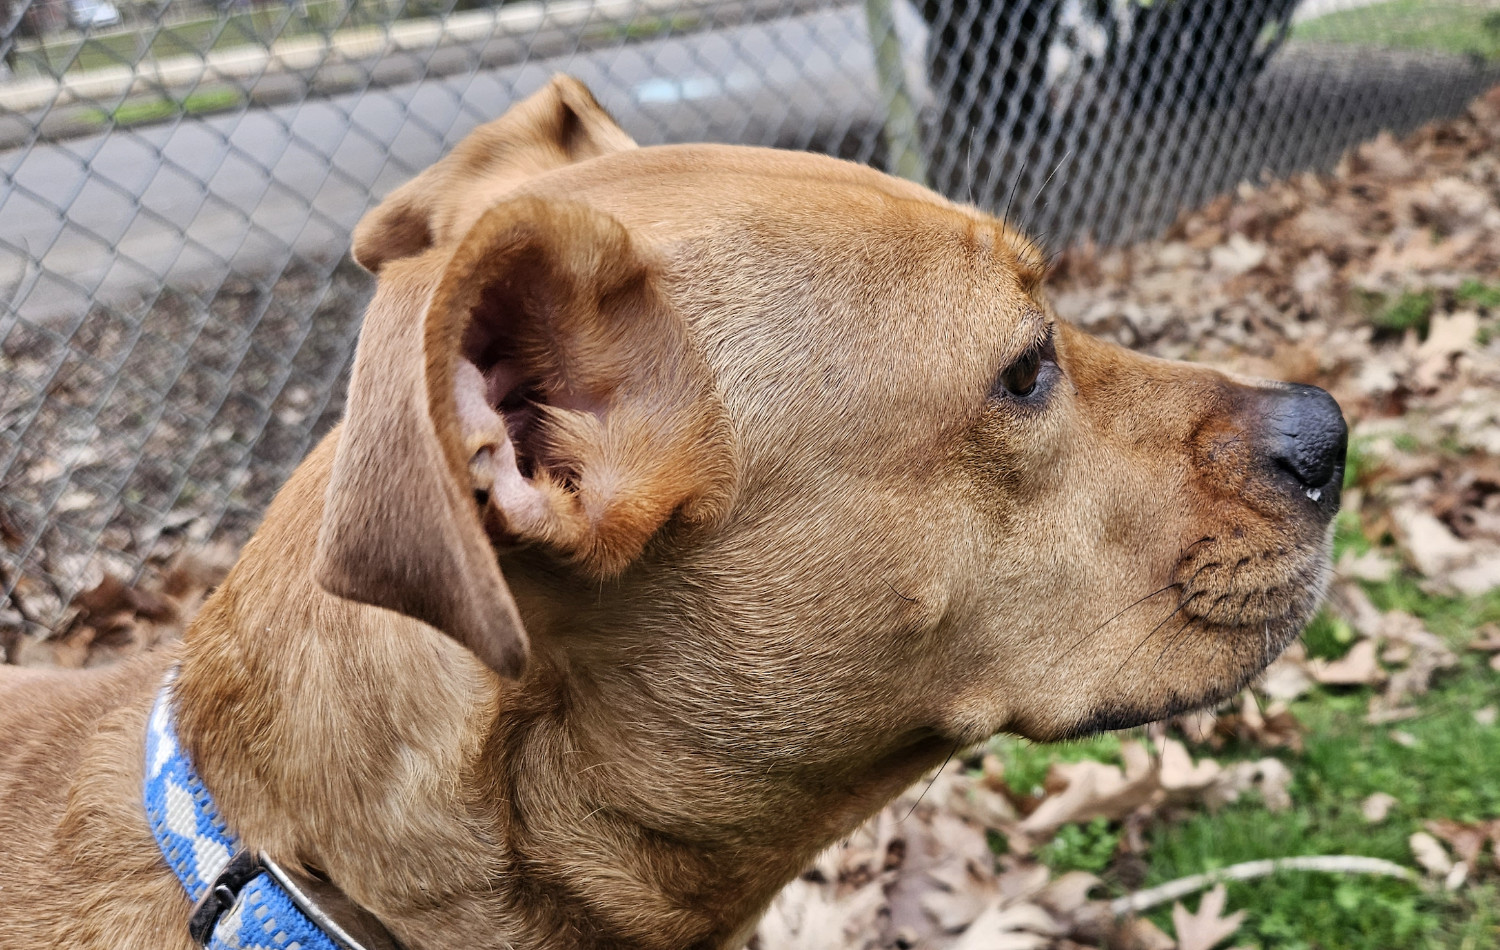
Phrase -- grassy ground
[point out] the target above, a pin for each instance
(154, 110)
(1469, 27)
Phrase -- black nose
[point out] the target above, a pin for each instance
(1305, 437)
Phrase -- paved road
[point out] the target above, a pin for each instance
(111, 216)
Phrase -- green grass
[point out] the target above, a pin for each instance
(1446, 766)
(1477, 294)
(1452, 26)
(154, 110)
(1410, 311)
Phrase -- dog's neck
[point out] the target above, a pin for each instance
(462, 810)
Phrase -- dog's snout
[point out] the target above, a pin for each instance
(1305, 437)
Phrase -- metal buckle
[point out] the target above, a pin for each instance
(348, 925)
(243, 868)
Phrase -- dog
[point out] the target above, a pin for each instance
(691, 502)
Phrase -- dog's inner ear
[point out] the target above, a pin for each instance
(503, 406)
(587, 418)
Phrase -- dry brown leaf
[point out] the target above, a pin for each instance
(1181, 777)
(1206, 928)
(1486, 638)
(1358, 667)
(1372, 566)
(1377, 807)
(1286, 679)
(1068, 893)
(1429, 854)
(1090, 790)
(1467, 839)
(810, 916)
(1021, 926)
(1141, 934)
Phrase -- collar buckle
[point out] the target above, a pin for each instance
(222, 894)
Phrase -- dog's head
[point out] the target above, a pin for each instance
(795, 455)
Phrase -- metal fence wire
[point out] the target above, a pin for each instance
(181, 178)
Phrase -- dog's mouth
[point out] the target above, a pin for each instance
(1228, 587)
(1228, 611)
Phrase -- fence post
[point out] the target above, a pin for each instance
(903, 140)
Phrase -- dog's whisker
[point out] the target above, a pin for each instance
(932, 781)
(1121, 612)
(1177, 635)
(1175, 638)
(1055, 169)
(909, 600)
(1014, 184)
(1239, 617)
(1189, 549)
(1152, 632)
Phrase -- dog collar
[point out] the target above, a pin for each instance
(241, 900)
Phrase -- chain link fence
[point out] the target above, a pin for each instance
(181, 178)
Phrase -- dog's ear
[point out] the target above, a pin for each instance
(557, 126)
(542, 393)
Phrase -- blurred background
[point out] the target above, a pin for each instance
(1247, 181)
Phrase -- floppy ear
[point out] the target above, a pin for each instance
(559, 125)
(540, 392)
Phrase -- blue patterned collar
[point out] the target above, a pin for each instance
(242, 900)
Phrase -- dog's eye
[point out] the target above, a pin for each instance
(1019, 378)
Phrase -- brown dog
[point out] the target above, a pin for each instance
(691, 502)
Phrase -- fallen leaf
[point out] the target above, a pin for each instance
(807, 916)
(1237, 255)
(1206, 928)
(1486, 638)
(1429, 854)
(1067, 893)
(1089, 790)
(1141, 934)
(1285, 680)
(1019, 927)
(1428, 543)
(1467, 839)
(1376, 807)
(1372, 566)
(1358, 667)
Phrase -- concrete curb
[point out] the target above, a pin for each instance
(309, 55)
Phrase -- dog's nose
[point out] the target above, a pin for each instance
(1305, 437)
